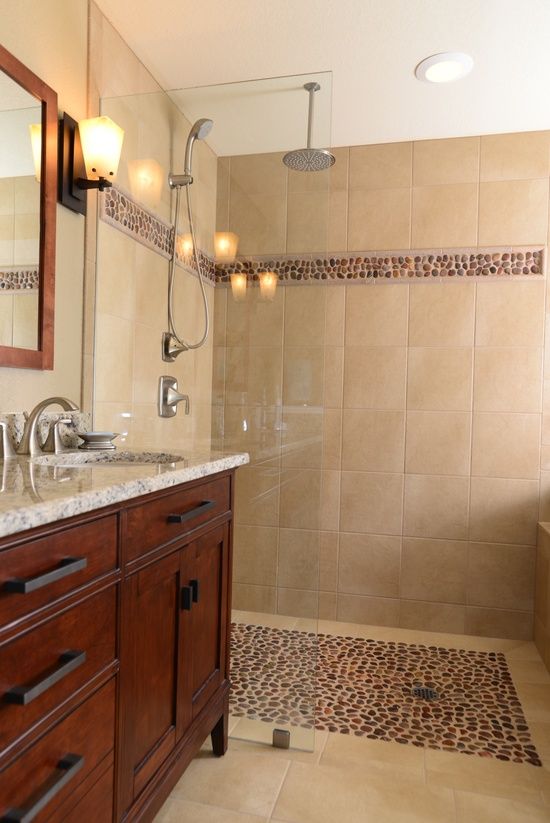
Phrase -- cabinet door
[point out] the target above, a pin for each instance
(149, 677)
(204, 623)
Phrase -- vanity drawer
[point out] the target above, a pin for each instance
(44, 776)
(42, 668)
(34, 574)
(152, 524)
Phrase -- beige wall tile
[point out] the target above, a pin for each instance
(254, 598)
(332, 438)
(442, 314)
(337, 239)
(544, 511)
(499, 623)
(500, 576)
(373, 440)
(436, 506)
(334, 377)
(376, 315)
(327, 605)
(298, 561)
(432, 617)
(434, 570)
(513, 212)
(382, 166)
(222, 194)
(503, 511)
(437, 162)
(371, 503)
(298, 602)
(369, 564)
(506, 445)
(510, 315)
(438, 443)
(374, 611)
(375, 378)
(257, 496)
(253, 429)
(260, 222)
(254, 375)
(330, 500)
(508, 380)
(444, 216)
(524, 155)
(328, 561)
(305, 316)
(255, 555)
(302, 437)
(439, 379)
(303, 376)
(379, 219)
(114, 375)
(339, 172)
(258, 174)
(335, 315)
(300, 498)
(307, 222)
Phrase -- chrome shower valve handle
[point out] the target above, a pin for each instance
(169, 397)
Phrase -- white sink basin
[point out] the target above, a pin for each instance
(107, 458)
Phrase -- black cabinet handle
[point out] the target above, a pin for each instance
(186, 598)
(195, 590)
(23, 695)
(65, 770)
(200, 509)
(22, 585)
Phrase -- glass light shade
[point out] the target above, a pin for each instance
(184, 245)
(238, 287)
(445, 67)
(146, 178)
(101, 141)
(35, 130)
(225, 244)
(268, 285)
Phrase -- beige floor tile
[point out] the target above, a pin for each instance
(535, 699)
(343, 750)
(255, 736)
(529, 671)
(185, 811)
(275, 621)
(540, 734)
(219, 781)
(524, 651)
(481, 776)
(323, 794)
(476, 808)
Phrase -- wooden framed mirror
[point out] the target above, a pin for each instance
(28, 193)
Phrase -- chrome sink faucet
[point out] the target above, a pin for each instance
(30, 442)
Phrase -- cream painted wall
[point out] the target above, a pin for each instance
(50, 37)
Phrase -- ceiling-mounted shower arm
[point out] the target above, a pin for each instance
(311, 88)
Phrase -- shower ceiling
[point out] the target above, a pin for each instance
(372, 48)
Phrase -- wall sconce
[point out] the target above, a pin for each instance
(89, 153)
(268, 285)
(238, 287)
(35, 130)
(146, 178)
(225, 245)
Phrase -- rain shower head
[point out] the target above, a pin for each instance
(309, 159)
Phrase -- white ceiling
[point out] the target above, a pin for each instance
(370, 46)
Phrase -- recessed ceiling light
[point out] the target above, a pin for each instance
(444, 67)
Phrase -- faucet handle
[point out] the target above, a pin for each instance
(8, 450)
(53, 443)
(169, 397)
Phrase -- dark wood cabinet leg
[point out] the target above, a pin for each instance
(219, 735)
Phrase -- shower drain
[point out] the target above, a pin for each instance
(424, 693)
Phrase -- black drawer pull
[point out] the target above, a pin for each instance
(22, 585)
(66, 769)
(23, 695)
(200, 509)
(195, 590)
(186, 598)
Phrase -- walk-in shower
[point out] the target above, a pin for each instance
(173, 344)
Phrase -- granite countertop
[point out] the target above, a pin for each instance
(41, 490)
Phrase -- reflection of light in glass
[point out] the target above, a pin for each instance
(146, 177)
(35, 130)
(101, 141)
(184, 245)
(225, 244)
(238, 287)
(268, 285)
(245, 426)
(125, 414)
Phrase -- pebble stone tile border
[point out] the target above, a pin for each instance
(120, 210)
(19, 279)
(364, 687)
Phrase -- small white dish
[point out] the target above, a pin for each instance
(97, 440)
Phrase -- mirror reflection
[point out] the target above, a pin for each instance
(20, 150)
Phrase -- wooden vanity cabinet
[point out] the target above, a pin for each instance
(150, 681)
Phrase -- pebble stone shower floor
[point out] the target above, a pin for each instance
(364, 687)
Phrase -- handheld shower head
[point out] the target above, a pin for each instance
(199, 131)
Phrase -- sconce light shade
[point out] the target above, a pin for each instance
(89, 154)
(146, 178)
(238, 287)
(35, 130)
(225, 245)
(184, 245)
(268, 285)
